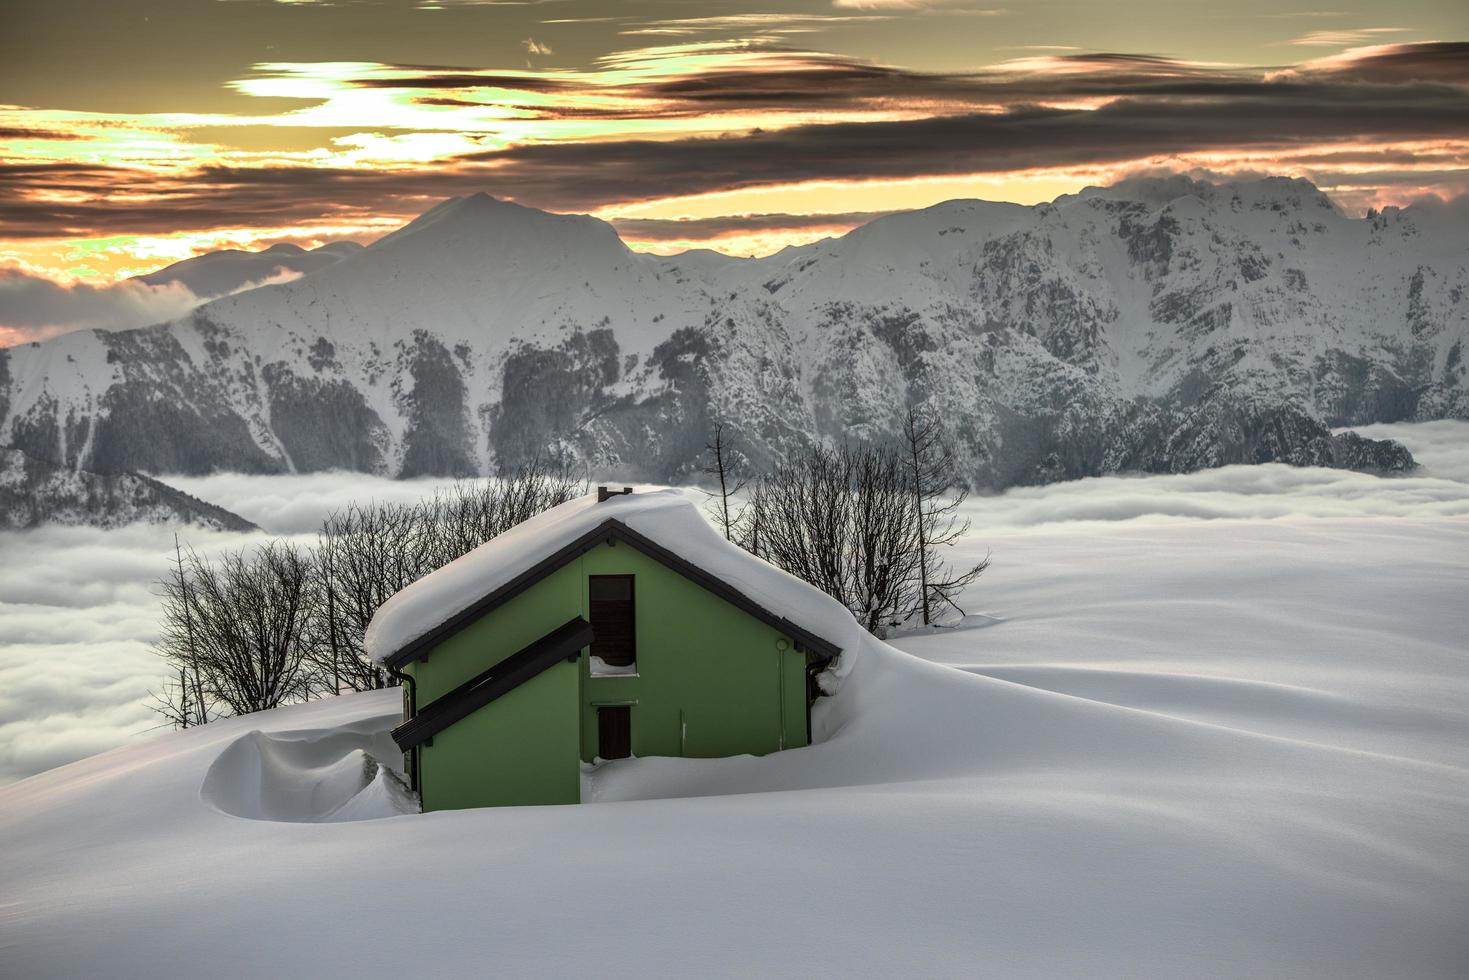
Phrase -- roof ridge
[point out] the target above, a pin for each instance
(611, 528)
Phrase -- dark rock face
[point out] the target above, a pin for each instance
(1357, 391)
(142, 431)
(324, 424)
(548, 394)
(1353, 452)
(438, 442)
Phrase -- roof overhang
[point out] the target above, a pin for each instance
(609, 531)
(563, 643)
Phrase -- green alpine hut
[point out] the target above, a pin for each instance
(614, 625)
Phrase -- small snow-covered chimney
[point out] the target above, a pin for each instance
(605, 494)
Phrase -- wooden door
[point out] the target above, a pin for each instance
(614, 731)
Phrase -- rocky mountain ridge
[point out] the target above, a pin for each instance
(34, 492)
(1158, 325)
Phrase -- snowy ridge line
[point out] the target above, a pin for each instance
(1158, 326)
(996, 673)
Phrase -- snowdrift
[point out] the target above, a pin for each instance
(346, 773)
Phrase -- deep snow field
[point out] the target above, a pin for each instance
(1207, 725)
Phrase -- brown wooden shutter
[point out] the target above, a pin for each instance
(610, 605)
(614, 732)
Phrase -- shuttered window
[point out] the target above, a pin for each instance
(610, 601)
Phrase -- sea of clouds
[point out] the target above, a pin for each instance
(79, 606)
(34, 307)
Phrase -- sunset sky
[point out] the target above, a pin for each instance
(134, 133)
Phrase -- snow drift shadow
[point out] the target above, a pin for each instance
(325, 775)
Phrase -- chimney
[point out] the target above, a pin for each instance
(605, 494)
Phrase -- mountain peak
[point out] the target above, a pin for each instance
(484, 222)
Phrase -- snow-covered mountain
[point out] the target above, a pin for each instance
(35, 492)
(228, 270)
(1160, 325)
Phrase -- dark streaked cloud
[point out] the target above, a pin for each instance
(17, 133)
(1147, 111)
(1048, 112)
(722, 101)
(1445, 62)
(468, 79)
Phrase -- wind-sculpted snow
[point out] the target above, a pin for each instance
(1158, 326)
(1215, 725)
(1259, 774)
(345, 773)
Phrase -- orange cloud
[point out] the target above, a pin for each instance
(715, 141)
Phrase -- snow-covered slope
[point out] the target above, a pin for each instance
(1162, 325)
(1207, 749)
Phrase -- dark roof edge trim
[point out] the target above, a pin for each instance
(725, 591)
(564, 642)
(419, 647)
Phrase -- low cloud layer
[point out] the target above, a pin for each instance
(78, 608)
(34, 307)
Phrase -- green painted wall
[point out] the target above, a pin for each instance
(521, 749)
(711, 681)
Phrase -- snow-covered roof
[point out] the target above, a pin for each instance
(663, 517)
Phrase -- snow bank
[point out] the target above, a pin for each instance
(334, 774)
(665, 516)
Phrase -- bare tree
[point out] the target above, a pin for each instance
(866, 524)
(722, 465)
(252, 630)
(366, 553)
(936, 502)
(237, 631)
(181, 702)
(842, 520)
(752, 523)
(468, 514)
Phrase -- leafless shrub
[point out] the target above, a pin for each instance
(842, 520)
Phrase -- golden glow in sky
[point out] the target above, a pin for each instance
(686, 125)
